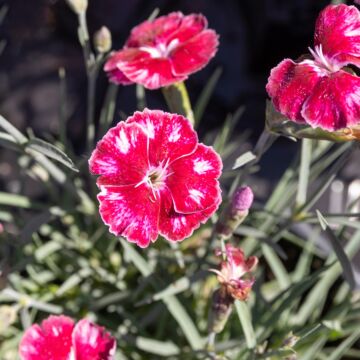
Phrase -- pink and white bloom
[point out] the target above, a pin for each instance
(163, 51)
(320, 90)
(232, 272)
(59, 338)
(155, 178)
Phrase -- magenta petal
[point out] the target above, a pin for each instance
(193, 183)
(132, 212)
(170, 136)
(290, 84)
(121, 156)
(338, 32)
(141, 68)
(114, 73)
(92, 342)
(159, 29)
(50, 341)
(334, 102)
(174, 226)
(194, 54)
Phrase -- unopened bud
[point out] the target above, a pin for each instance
(102, 40)
(242, 199)
(78, 6)
(221, 307)
(290, 341)
(236, 212)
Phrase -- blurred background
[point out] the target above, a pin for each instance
(39, 37)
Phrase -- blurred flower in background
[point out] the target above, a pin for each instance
(58, 338)
(163, 51)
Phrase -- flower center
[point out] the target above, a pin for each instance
(322, 60)
(161, 50)
(155, 178)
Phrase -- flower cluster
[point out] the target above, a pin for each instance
(59, 338)
(320, 89)
(163, 51)
(155, 178)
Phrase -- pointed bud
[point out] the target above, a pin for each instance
(220, 311)
(78, 6)
(236, 212)
(102, 40)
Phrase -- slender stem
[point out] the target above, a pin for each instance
(305, 161)
(90, 116)
(178, 101)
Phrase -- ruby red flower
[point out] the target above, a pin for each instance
(163, 51)
(232, 272)
(320, 91)
(58, 338)
(155, 178)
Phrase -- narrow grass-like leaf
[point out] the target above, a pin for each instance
(51, 152)
(159, 348)
(244, 314)
(244, 159)
(323, 222)
(17, 201)
(340, 350)
(173, 304)
(108, 109)
(306, 147)
(348, 271)
(140, 97)
(205, 95)
(12, 130)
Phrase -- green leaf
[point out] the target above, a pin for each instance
(340, 350)
(172, 303)
(348, 271)
(205, 95)
(13, 131)
(160, 348)
(244, 314)
(244, 159)
(323, 222)
(51, 152)
(17, 201)
(305, 162)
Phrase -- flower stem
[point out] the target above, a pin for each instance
(178, 101)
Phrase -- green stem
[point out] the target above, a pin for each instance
(178, 101)
(305, 161)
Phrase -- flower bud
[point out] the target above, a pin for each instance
(78, 6)
(236, 212)
(220, 311)
(242, 199)
(102, 40)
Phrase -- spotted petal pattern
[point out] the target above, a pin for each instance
(166, 183)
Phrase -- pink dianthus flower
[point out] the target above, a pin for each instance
(59, 338)
(319, 90)
(163, 51)
(155, 178)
